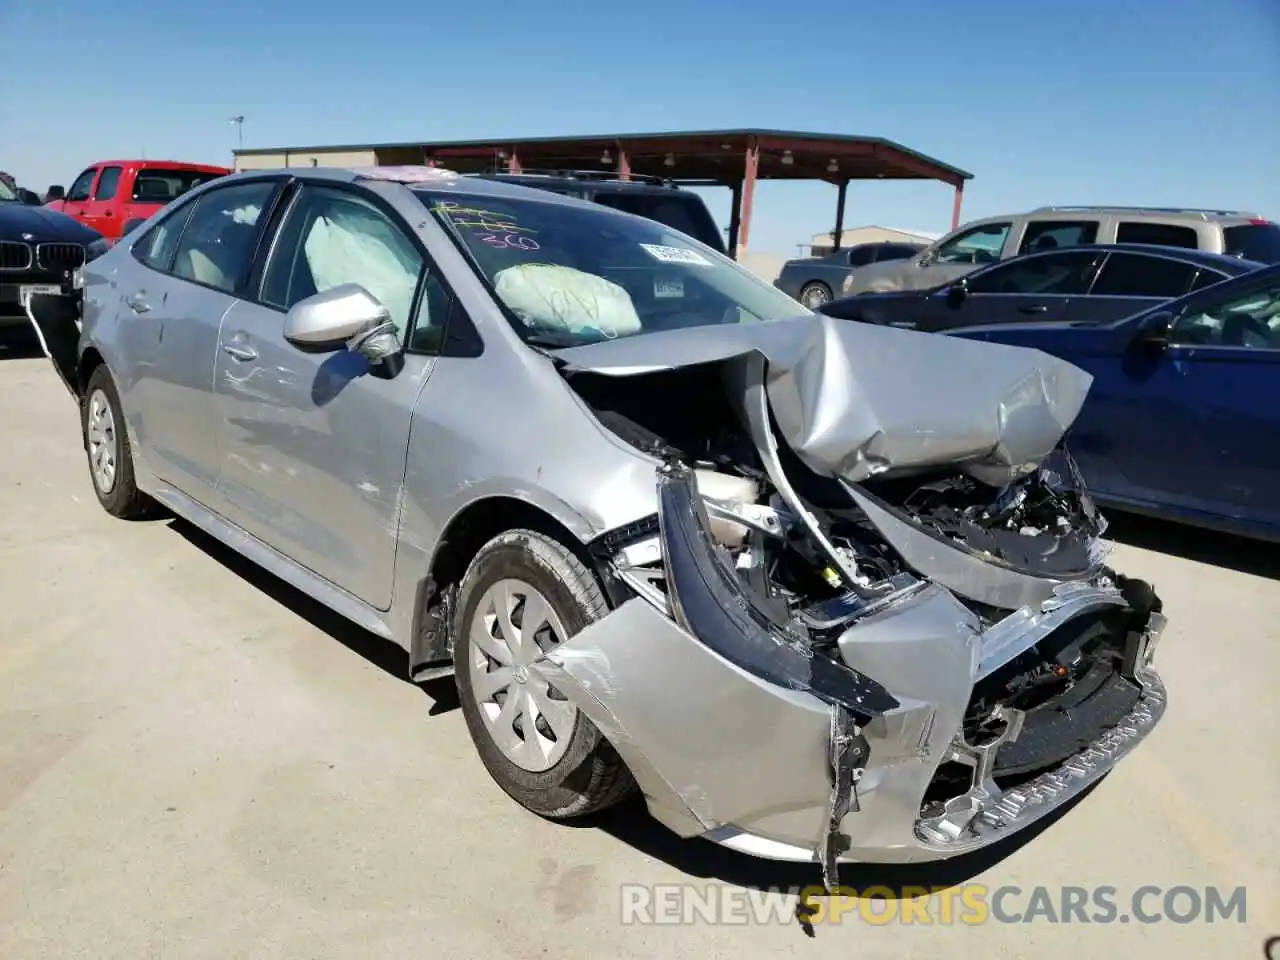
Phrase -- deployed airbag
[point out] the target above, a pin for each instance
(556, 296)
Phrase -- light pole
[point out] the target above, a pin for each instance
(239, 122)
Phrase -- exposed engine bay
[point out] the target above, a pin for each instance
(816, 558)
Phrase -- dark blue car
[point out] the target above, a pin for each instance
(1183, 419)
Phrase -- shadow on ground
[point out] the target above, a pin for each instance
(630, 822)
(18, 343)
(1254, 557)
(383, 654)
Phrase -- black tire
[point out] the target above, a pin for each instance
(815, 290)
(590, 775)
(123, 499)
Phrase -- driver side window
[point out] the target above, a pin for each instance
(331, 237)
(1251, 320)
(982, 244)
(80, 189)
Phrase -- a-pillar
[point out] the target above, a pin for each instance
(751, 167)
(841, 190)
(735, 217)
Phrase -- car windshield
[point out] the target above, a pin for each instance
(571, 274)
(7, 193)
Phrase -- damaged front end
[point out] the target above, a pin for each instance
(841, 643)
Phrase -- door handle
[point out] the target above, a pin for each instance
(1034, 308)
(240, 352)
(138, 302)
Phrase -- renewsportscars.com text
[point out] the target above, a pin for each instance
(969, 904)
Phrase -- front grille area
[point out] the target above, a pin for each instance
(15, 255)
(58, 257)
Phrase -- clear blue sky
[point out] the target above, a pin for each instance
(1157, 102)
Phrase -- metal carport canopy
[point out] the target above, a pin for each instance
(736, 159)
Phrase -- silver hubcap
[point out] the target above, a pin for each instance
(100, 432)
(815, 297)
(529, 720)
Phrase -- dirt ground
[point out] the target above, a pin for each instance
(196, 761)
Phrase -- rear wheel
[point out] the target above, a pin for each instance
(523, 594)
(815, 294)
(106, 444)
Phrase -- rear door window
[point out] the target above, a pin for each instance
(1254, 241)
(861, 256)
(1159, 234)
(218, 243)
(1051, 274)
(157, 246)
(1138, 275)
(1207, 278)
(897, 251)
(1051, 234)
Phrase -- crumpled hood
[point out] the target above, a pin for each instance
(43, 224)
(856, 400)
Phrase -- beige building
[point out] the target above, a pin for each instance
(275, 160)
(821, 243)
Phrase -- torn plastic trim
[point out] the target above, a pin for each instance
(709, 601)
(986, 814)
(849, 754)
(1024, 628)
(972, 575)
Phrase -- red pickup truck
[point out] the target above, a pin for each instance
(110, 194)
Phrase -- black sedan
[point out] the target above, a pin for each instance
(39, 250)
(1095, 283)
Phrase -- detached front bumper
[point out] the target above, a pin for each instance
(737, 731)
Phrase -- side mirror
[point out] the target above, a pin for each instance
(957, 293)
(55, 192)
(348, 316)
(1153, 330)
(131, 225)
(29, 197)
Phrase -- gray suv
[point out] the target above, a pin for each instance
(991, 239)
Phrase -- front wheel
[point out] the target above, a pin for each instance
(522, 595)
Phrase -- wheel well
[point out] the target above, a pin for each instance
(471, 529)
(89, 362)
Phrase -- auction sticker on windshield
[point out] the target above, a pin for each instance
(668, 288)
(675, 255)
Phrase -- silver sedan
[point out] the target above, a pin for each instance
(819, 590)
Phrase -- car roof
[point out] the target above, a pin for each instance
(602, 183)
(418, 178)
(1161, 214)
(161, 165)
(1203, 258)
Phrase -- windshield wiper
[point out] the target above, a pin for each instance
(552, 341)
